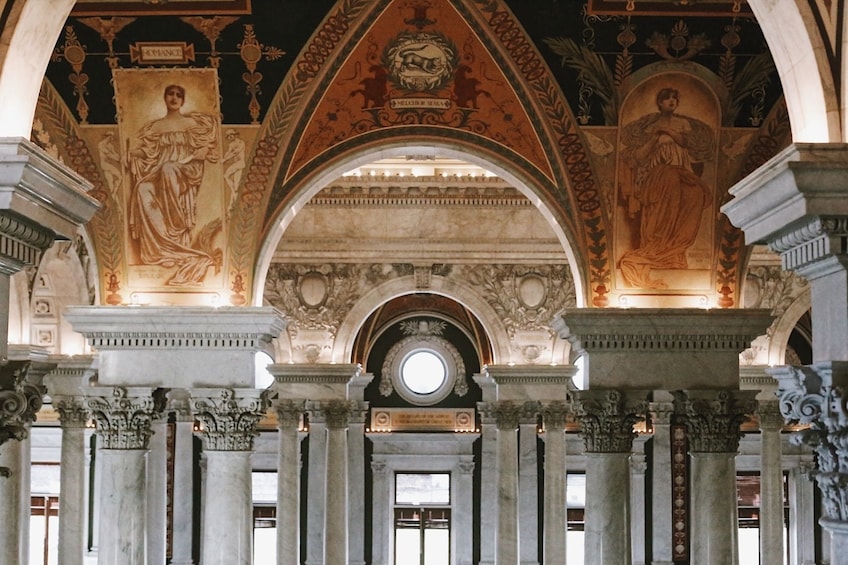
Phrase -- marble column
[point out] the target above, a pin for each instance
(712, 419)
(507, 415)
(606, 418)
(528, 486)
(638, 466)
(662, 536)
(336, 415)
(289, 415)
(73, 418)
(123, 416)
(157, 490)
(20, 401)
(316, 487)
(802, 534)
(554, 417)
(182, 504)
(228, 419)
(771, 483)
(381, 518)
(489, 499)
(64, 385)
(463, 515)
(356, 466)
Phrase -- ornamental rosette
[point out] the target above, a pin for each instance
(228, 417)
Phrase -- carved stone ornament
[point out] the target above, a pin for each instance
(289, 413)
(817, 395)
(713, 417)
(123, 415)
(20, 401)
(72, 411)
(804, 247)
(555, 415)
(228, 417)
(337, 413)
(607, 417)
(507, 414)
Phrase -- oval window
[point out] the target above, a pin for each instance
(423, 372)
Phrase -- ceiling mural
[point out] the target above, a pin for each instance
(629, 119)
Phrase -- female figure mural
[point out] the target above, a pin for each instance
(664, 155)
(167, 169)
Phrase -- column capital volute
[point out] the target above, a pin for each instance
(335, 413)
(713, 417)
(607, 416)
(228, 417)
(20, 401)
(124, 414)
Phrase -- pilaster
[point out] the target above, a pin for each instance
(554, 418)
(289, 418)
(771, 482)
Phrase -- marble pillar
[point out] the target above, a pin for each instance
(554, 418)
(228, 419)
(771, 483)
(638, 466)
(507, 415)
(123, 416)
(336, 415)
(289, 414)
(316, 488)
(528, 486)
(662, 537)
(157, 490)
(802, 535)
(489, 499)
(463, 514)
(73, 418)
(381, 513)
(606, 417)
(712, 419)
(815, 395)
(356, 465)
(182, 505)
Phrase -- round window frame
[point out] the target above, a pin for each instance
(441, 348)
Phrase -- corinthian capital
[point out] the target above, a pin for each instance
(555, 415)
(228, 417)
(123, 414)
(607, 416)
(713, 417)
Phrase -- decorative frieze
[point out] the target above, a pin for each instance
(814, 395)
(607, 417)
(713, 417)
(123, 414)
(803, 248)
(228, 417)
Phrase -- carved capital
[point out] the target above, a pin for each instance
(20, 401)
(123, 415)
(713, 417)
(506, 414)
(228, 417)
(769, 416)
(289, 413)
(337, 413)
(72, 411)
(817, 395)
(661, 413)
(607, 416)
(555, 415)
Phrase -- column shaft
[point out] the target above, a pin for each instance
(528, 486)
(288, 485)
(489, 499)
(463, 516)
(713, 509)
(661, 484)
(12, 490)
(356, 493)
(771, 484)
(555, 517)
(507, 541)
(122, 507)
(72, 487)
(335, 516)
(637, 500)
(316, 491)
(802, 536)
(607, 528)
(183, 504)
(381, 549)
(228, 524)
(157, 496)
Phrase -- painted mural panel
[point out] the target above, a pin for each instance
(666, 201)
(173, 196)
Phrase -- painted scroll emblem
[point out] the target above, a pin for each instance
(420, 61)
